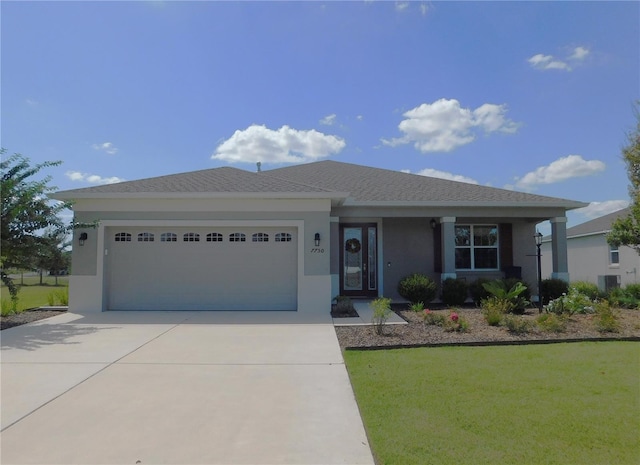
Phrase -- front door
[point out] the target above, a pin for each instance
(358, 260)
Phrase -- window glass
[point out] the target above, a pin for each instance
(614, 255)
(168, 237)
(260, 237)
(191, 237)
(123, 237)
(476, 247)
(145, 237)
(214, 237)
(283, 237)
(237, 237)
(463, 236)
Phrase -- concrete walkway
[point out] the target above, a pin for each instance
(365, 316)
(178, 388)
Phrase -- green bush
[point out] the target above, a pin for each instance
(513, 295)
(494, 309)
(432, 318)
(632, 290)
(551, 322)
(417, 288)
(416, 307)
(606, 318)
(381, 312)
(509, 283)
(477, 290)
(454, 292)
(573, 302)
(455, 322)
(344, 306)
(585, 288)
(8, 307)
(517, 324)
(63, 296)
(552, 289)
(622, 299)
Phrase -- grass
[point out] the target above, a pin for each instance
(575, 403)
(32, 294)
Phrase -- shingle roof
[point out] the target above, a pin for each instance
(215, 180)
(598, 225)
(333, 179)
(366, 184)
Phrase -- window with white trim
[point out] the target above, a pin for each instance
(237, 237)
(214, 237)
(260, 237)
(123, 237)
(283, 237)
(191, 237)
(168, 237)
(614, 255)
(146, 237)
(476, 247)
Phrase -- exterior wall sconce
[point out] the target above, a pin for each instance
(316, 239)
(83, 237)
(433, 223)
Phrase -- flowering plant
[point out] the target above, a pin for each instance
(455, 323)
(432, 318)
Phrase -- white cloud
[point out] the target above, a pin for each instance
(579, 53)
(444, 125)
(430, 172)
(285, 145)
(328, 120)
(107, 147)
(598, 209)
(91, 178)
(401, 6)
(359, 117)
(31, 102)
(571, 166)
(545, 62)
(424, 9)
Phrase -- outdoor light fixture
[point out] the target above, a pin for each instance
(538, 237)
(83, 237)
(433, 223)
(317, 239)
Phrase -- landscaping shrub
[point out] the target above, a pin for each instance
(417, 288)
(552, 323)
(573, 302)
(494, 310)
(63, 296)
(509, 283)
(632, 290)
(381, 312)
(606, 318)
(477, 290)
(8, 307)
(513, 295)
(586, 288)
(552, 289)
(455, 322)
(432, 319)
(622, 299)
(416, 307)
(51, 299)
(343, 305)
(517, 324)
(454, 292)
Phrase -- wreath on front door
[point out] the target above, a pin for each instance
(352, 246)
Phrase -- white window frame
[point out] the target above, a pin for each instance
(614, 250)
(472, 246)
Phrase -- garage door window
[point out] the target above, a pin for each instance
(145, 237)
(191, 237)
(123, 237)
(237, 237)
(214, 237)
(168, 237)
(283, 237)
(260, 237)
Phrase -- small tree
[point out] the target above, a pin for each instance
(26, 212)
(626, 230)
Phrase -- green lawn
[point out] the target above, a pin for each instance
(571, 403)
(32, 294)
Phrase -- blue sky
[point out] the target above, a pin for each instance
(535, 97)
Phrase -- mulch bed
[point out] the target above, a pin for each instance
(416, 333)
(28, 316)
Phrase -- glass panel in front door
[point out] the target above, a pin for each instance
(352, 269)
(372, 277)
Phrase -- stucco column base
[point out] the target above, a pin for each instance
(563, 276)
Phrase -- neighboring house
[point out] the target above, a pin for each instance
(592, 259)
(294, 238)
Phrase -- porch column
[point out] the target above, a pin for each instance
(448, 239)
(559, 248)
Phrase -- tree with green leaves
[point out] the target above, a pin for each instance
(626, 230)
(26, 213)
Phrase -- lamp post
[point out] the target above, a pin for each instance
(538, 237)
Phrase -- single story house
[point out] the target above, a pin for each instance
(592, 259)
(293, 238)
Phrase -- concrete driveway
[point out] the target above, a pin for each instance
(178, 388)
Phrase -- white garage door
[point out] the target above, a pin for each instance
(201, 268)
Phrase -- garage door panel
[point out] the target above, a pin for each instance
(202, 275)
